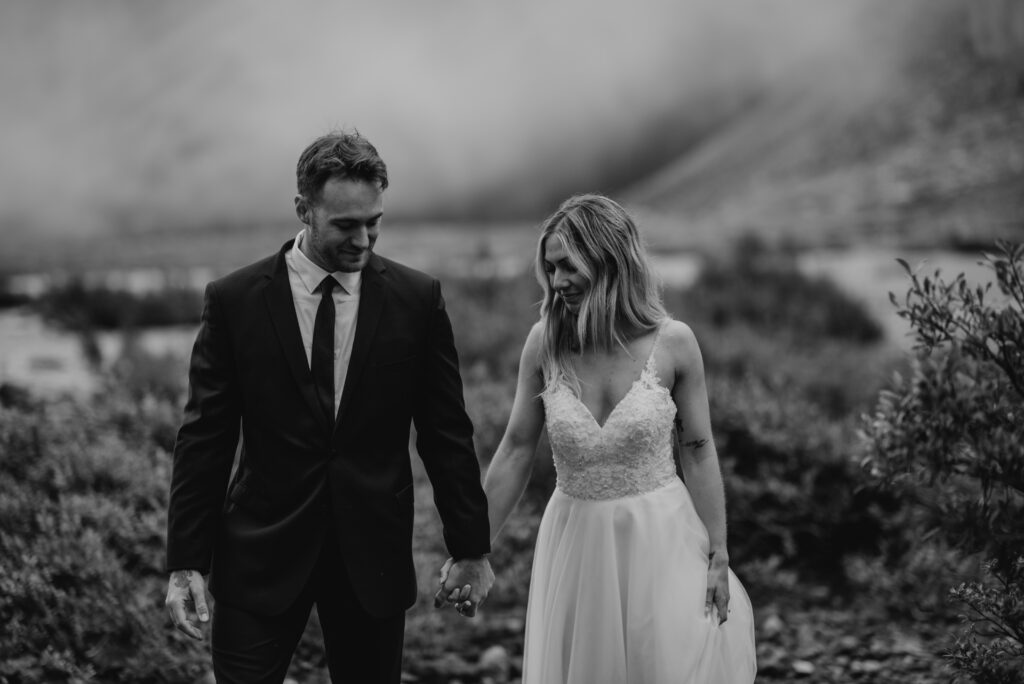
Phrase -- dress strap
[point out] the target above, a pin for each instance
(649, 367)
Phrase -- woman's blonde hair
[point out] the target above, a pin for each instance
(604, 246)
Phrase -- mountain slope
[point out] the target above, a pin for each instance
(933, 154)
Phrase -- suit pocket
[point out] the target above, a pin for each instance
(247, 496)
(393, 351)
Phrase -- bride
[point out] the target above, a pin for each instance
(631, 580)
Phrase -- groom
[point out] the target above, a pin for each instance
(322, 356)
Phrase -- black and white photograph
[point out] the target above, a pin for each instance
(542, 342)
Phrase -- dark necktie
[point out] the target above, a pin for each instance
(321, 362)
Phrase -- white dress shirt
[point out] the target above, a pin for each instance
(305, 277)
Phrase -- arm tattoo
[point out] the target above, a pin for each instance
(694, 444)
(182, 578)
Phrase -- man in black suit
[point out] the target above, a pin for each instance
(323, 355)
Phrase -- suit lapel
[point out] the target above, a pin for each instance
(372, 294)
(278, 295)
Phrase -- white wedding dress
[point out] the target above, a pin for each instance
(620, 568)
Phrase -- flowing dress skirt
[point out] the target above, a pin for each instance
(617, 597)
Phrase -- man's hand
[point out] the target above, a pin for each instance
(186, 601)
(465, 584)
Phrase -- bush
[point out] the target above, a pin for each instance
(491, 318)
(786, 359)
(82, 519)
(79, 307)
(951, 436)
(793, 493)
(8, 298)
(145, 376)
(765, 291)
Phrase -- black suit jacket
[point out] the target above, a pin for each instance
(260, 535)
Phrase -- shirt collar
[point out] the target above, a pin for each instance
(312, 275)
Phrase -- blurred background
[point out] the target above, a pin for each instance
(779, 155)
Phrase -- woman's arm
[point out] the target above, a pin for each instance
(513, 461)
(699, 458)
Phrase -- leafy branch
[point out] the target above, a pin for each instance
(952, 434)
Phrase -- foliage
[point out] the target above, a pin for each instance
(77, 306)
(992, 648)
(491, 318)
(147, 377)
(763, 289)
(951, 436)
(794, 501)
(838, 378)
(8, 297)
(83, 502)
(789, 363)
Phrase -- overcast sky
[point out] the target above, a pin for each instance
(127, 114)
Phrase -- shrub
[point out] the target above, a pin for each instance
(9, 298)
(145, 376)
(77, 306)
(793, 494)
(786, 359)
(491, 318)
(951, 436)
(765, 291)
(82, 518)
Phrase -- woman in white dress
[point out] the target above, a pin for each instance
(631, 581)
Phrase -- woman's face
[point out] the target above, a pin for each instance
(563, 277)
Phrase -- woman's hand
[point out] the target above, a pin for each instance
(718, 586)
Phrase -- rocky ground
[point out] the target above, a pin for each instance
(801, 637)
(832, 646)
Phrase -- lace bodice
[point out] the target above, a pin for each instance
(630, 454)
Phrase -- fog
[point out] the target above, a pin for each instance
(129, 116)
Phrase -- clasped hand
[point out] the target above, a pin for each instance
(464, 584)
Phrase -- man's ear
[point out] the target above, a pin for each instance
(302, 209)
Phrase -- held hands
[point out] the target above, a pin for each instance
(464, 584)
(186, 601)
(718, 587)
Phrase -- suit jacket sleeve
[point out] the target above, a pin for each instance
(205, 447)
(444, 439)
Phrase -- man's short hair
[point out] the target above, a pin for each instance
(339, 155)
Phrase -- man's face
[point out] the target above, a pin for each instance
(342, 225)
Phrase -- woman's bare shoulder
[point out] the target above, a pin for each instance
(679, 339)
(534, 337)
(532, 346)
